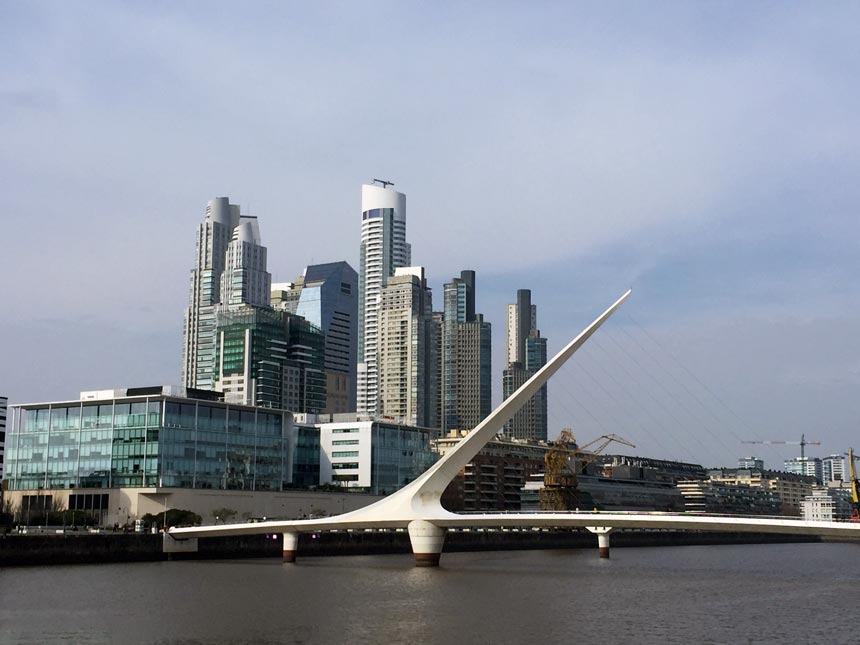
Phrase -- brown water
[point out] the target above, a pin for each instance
(803, 593)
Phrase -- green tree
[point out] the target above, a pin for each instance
(223, 515)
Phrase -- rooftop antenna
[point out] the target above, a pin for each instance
(385, 184)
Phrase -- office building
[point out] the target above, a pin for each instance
(807, 466)
(526, 353)
(376, 457)
(383, 250)
(230, 268)
(326, 295)
(466, 381)
(404, 350)
(117, 455)
(790, 488)
(751, 462)
(833, 469)
(270, 358)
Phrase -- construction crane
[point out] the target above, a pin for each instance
(802, 443)
(855, 497)
(564, 461)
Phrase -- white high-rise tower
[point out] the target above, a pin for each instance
(383, 250)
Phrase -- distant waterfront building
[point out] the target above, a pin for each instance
(270, 358)
(833, 469)
(377, 457)
(230, 268)
(751, 462)
(466, 351)
(3, 403)
(405, 348)
(326, 295)
(493, 480)
(383, 250)
(807, 466)
(526, 353)
(827, 504)
(141, 449)
(721, 497)
(791, 488)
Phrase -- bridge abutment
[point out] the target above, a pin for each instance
(427, 541)
(291, 545)
(602, 533)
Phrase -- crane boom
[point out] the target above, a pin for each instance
(802, 443)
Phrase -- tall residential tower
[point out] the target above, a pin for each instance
(466, 387)
(526, 351)
(405, 338)
(383, 250)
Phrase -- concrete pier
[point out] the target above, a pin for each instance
(427, 541)
(291, 545)
(602, 533)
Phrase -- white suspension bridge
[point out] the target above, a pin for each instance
(418, 509)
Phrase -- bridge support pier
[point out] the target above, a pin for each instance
(602, 533)
(291, 545)
(427, 541)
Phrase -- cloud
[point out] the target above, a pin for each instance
(706, 155)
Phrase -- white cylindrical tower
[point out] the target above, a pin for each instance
(383, 249)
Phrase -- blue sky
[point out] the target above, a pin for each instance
(704, 153)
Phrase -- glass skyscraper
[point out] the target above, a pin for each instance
(326, 295)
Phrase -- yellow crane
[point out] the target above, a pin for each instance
(855, 497)
(564, 461)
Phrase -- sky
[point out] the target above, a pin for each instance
(704, 154)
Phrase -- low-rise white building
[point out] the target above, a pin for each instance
(827, 504)
(377, 457)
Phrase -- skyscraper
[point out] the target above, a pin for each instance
(383, 250)
(245, 280)
(833, 468)
(526, 351)
(405, 347)
(213, 236)
(327, 296)
(465, 357)
(230, 269)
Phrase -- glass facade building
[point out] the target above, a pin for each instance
(151, 441)
(271, 359)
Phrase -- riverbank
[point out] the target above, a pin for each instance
(30, 550)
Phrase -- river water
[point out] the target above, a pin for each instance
(785, 593)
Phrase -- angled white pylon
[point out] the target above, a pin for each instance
(421, 498)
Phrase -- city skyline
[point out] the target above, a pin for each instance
(717, 181)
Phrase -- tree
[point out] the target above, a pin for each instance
(223, 514)
(175, 517)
